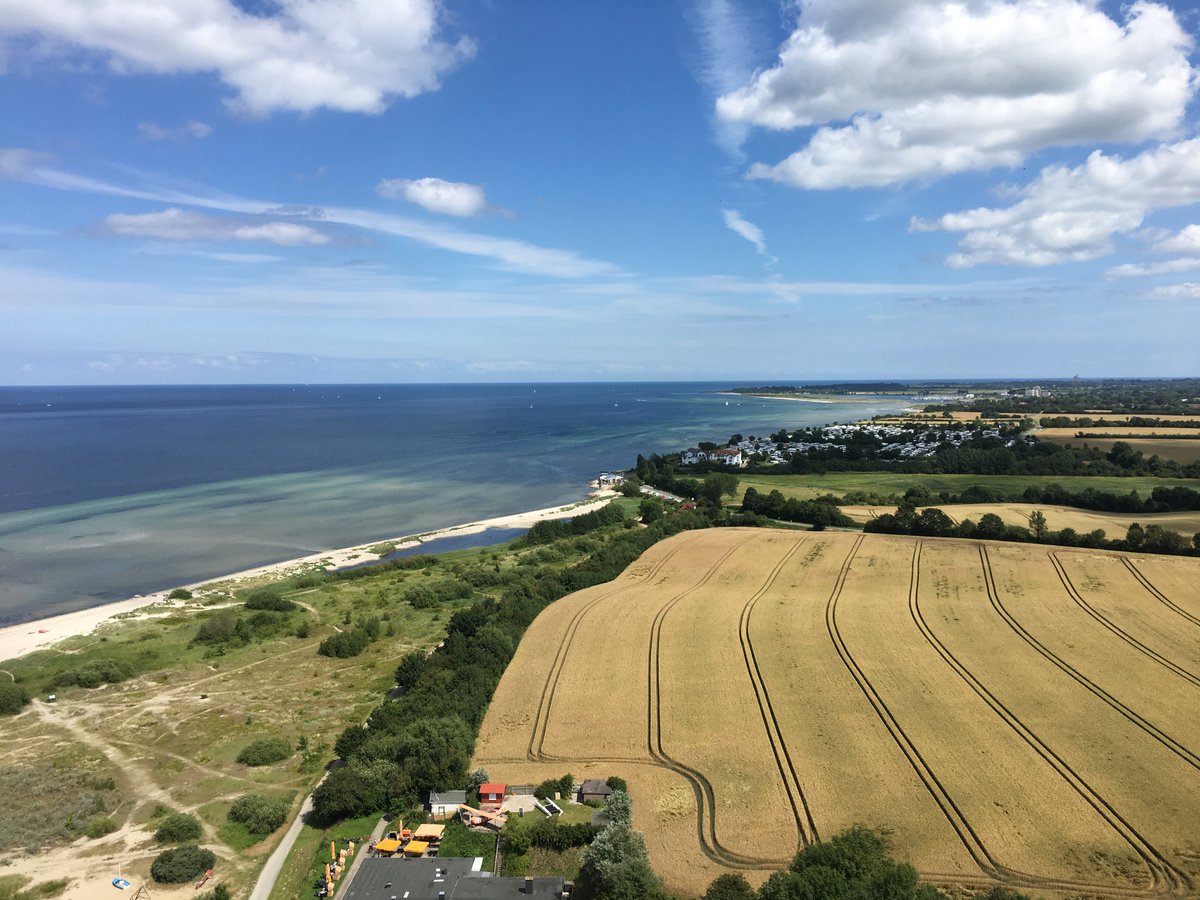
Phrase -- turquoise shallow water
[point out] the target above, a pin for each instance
(109, 492)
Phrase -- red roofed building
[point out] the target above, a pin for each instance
(491, 795)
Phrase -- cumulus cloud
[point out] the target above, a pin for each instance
(1070, 214)
(175, 224)
(152, 132)
(921, 89)
(748, 230)
(350, 55)
(451, 198)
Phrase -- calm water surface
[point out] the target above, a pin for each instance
(109, 492)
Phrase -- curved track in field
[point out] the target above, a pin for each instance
(1117, 629)
(1164, 875)
(766, 710)
(1176, 747)
(1156, 593)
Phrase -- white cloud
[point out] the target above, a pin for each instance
(451, 198)
(724, 30)
(152, 132)
(1071, 214)
(921, 89)
(17, 162)
(302, 55)
(175, 224)
(748, 230)
(1189, 290)
(515, 255)
(1166, 267)
(1186, 241)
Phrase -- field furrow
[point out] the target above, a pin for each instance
(1074, 730)
(833, 733)
(1173, 578)
(999, 782)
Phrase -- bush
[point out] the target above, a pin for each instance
(12, 698)
(181, 864)
(220, 892)
(99, 827)
(265, 598)
(261, 815)
(617, 783)
(178, 828)
(180, 594)
(265, 752)
(94, 674)
(345, 644)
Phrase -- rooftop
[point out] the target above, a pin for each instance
(424, 879)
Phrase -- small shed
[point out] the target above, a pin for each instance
(445, 803)
(491, 795)
(594, 789)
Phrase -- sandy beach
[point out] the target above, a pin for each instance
(19, 640)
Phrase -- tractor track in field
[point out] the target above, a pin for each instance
(1156, 593)
(1164, 875)
(971, 841)
(542, 720)
(1176, 747)
(1116, 629)
(702, 788)
(805, 824)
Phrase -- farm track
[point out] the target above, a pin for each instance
(1187, 755)
(1164, 875)
(1156, 593)
(766, 710)
(1117, 629)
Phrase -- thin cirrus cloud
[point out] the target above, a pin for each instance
(510, 254)
(152, 131)
(349, 55)
(1072, 214)
(918, 90)
(176, 224)
(450, 198)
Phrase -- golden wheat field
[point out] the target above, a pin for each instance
(1004, 713)
(1083, 521)
(1183, 450)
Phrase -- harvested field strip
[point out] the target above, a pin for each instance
(1156, 593)
(832, 731)
(791, 780)
(996, 782)
(1164, 876)
(1183, 752)
(1117, 629)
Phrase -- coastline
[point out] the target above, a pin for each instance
(26, 637)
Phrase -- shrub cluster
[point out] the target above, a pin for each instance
(95, 673)
(99, 827)
(12, 698)
(551, 786)
(181, 864)
(351, 642)
(265, 598)
(178, 828)
(265, 752)
(819, 513)
(553, 529)
(433, 593)
(261, 815)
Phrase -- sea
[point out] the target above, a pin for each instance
(111, 492)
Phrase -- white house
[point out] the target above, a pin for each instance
(445, 803)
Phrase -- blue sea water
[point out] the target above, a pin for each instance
(106, 492)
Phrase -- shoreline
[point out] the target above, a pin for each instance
(27, 637)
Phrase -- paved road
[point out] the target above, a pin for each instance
(270, 872)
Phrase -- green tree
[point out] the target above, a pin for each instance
(261, 815)
(616, 866)
(265, 752)
(618, 808)
(650, 510)
(1037, 524)
(181, 864)
(729, 887)
(12, 698)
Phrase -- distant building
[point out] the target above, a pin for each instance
(445, 803)
(594, 789)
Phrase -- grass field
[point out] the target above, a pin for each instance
(1120, 431)
(1083, 521)
(805, 487)
(1004, 713)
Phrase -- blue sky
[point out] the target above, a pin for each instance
(404, 190)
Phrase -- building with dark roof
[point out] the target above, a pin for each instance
(449, 878)
(594, 789)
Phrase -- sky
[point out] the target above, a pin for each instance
(254, 191)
